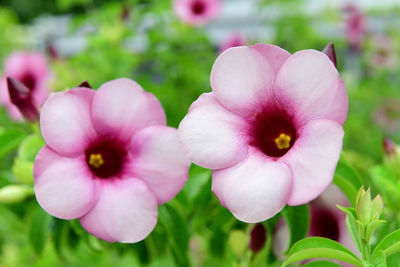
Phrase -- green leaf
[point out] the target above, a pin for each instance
(11, 226)
(352, 225)
(204, 193)
(348, 180)
(392, 260)
(321, 263)
(39, 230)
(389, 245)
(345, 170)
(387, 182)
(347, 188)
(371, 229)
(9, 140)
(218, 242)
(319, 247)
(298, 221)
(142, 252)
(178, 234)
(380, 260)
(77, 227)
(64, 238)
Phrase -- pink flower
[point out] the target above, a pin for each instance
(382, 53)
(31, 69)
(355, 27)
(197, 12)
(387, 114)
(109, 160)
(326, 220)
(271, 130)
(233, 41)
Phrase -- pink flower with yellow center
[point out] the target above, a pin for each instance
(31, 69)
(109, 160)
(197, 12)
(271, 129)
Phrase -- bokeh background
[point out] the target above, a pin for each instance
(100, 40)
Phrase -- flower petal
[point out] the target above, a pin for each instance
(44, 159)
(121, 107)
(125, 212)
(309, 87)
(241, 79)
(275, 55)
(66, 123)
(154, 111)
(159, 160)
(313, 159)
(255, 189)
(211, 135)
(20, 63)
(65, 187)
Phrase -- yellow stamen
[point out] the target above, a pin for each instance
(96, 160)
(283, 141)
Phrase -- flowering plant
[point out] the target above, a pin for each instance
(214, 151)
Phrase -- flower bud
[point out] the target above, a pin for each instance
(367, 210)
(258, 236)
(23, 171)
(389, 148)
(363, 206)
(125, 13)
(51, 50)
(238, 242)
(376, 207)
(85, 84)
(21, 97)
(329, 50)
(14, 193)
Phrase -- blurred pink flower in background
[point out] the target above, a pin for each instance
(197, 12)
(387, 114)
(326, 220)
(383, 53)
(109, 160)
(233, 40)
(30, 68)
(271, 130)
(355, 26)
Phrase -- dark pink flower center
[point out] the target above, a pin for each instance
(324, 223)
(273, 133)
(105, 158)
(29, 80)
(198, 7)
